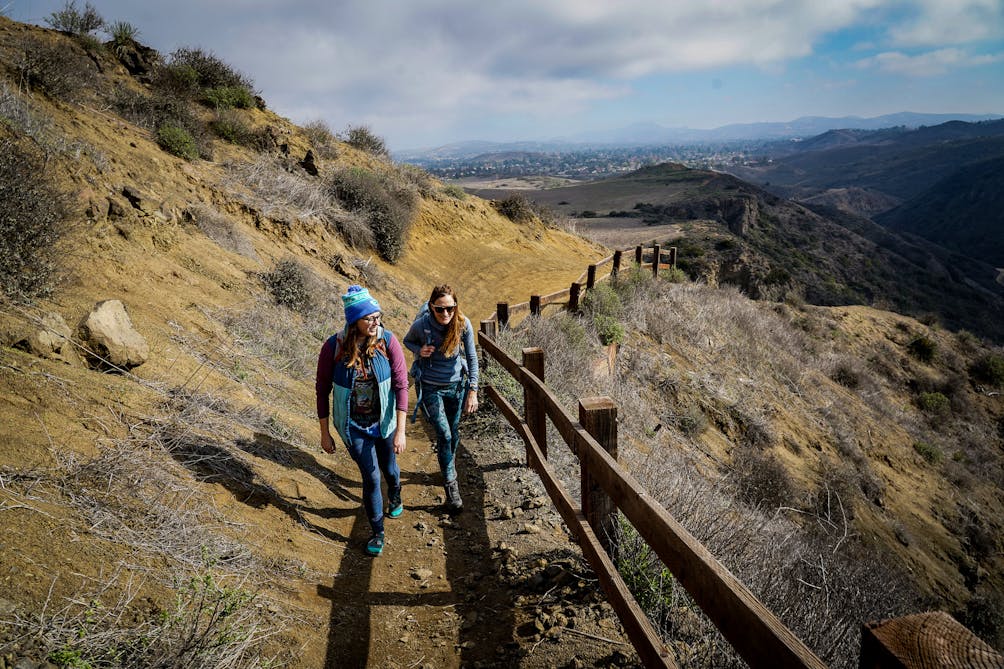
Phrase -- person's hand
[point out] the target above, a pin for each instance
(471, 403)
(327, 443)
(426, 350)
(400, 442)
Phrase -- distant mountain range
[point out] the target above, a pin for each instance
(943, 183)
(648, 134)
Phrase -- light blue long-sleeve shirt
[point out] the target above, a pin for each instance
(439, 369)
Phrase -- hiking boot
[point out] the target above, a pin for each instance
(453, 501)
(375, 545)
(394, 505)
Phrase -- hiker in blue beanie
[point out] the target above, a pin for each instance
(365, 368)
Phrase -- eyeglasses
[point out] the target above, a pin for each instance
(444, 310)
(375, 318)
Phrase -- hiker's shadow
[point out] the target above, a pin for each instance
(289, 456)
(216, 462)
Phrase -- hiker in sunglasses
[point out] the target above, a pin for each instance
(446, 377)
(364, 367)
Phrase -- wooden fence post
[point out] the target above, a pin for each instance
(615, 270)
(573, 297)
(590, 277)
(488, 327)
(656, 257)
(923, 640)
(533, 404)
(502, 311)
(672, 257)
(535, 305)
(637, 255)
(598, 416)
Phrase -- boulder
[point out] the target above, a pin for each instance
(110, 338)
(49, 337)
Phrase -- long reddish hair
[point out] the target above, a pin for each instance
(455, 330)
(357, 346)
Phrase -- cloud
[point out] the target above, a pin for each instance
(928, 64)
(406, 67)
(942, 23)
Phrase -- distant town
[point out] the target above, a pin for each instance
(598, 162)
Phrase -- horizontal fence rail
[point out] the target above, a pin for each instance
(753, 630)
(505, 312)
(922, 641)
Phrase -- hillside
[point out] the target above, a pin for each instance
(729, 231)
(895, 162)
(190, 490)
(962, 212)
(179, 511)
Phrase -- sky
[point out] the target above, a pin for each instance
(424, 73)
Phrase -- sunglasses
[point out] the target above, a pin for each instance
(443, 310)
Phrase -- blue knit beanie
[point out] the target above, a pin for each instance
(358, 304)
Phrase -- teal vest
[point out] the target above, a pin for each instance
(343, 379)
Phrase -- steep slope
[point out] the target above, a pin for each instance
(962, 212)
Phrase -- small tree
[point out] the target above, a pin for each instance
(75, 22)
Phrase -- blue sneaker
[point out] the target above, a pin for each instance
(396, 508)
(375, 545)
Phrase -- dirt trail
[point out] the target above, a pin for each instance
(501, 584)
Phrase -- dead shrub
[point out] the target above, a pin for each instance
(33, 223)
(292, 285)
(760, 479)
(61, 71)
(221, 229)
(516, 207)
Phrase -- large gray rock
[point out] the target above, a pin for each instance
(108, 334)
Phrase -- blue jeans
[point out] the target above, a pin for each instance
(373, 455)
(443, 405)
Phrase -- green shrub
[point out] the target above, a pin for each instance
(609, 330)
(176, 80)
(33, 216)
(931, 453)
(176, 140)
(516, 207)
(935, 403)
(211, 72)
(673, 275)
(228, 97)
(455, 191)
(922, 348)
(388, 205)
(75, 22)
(989, 369)
(232, 128)
(123, 33)
(603, 300)
(362, 138)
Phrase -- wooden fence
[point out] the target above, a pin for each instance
(505, 312)
(756, 634)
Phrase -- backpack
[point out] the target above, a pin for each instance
(417, 366)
